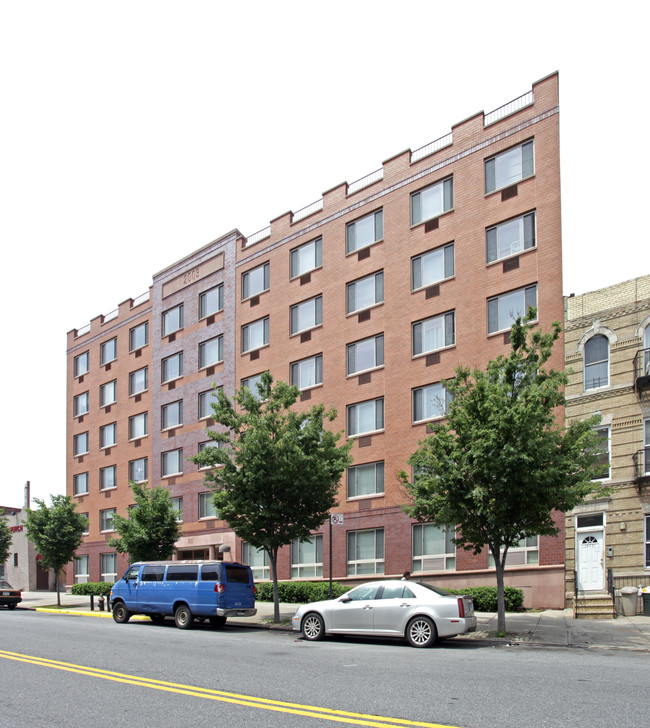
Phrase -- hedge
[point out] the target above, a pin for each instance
(92, 588)
(302, 592)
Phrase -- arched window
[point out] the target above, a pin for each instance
(597, 362)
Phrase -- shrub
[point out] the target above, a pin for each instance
(485, 597)
(92, 588)
(300, 592)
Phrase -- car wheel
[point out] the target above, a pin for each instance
(421, 632)
(183, 617)
(11, 606)
(313, 627)
(217, 621)
(157, 617)
(120, 613)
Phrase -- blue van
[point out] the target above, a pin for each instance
(212, 590)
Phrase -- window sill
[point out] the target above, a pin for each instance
(207, 316)
(433, 283)
(304, 331)
(364, 371)
(298, 276)
(104, 490)
(418, 224)
(139, 437)
(348, 253)
(501, 332)
(491, 263)
(252, 295)
(212, 364)
(171, 333)
(357, 311)
(510, 184)
(257, 348)
(431, 419)
(432, 351)
(310, 387)
(170, 381)
(172, 427)
(353, 498)
(135, 394)
(79, 495)
(171, 475)
(366, 434)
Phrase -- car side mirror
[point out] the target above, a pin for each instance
(345, 599)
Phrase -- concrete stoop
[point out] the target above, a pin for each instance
(593, 606)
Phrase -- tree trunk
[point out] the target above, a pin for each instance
(499, 563)
(273, 559)
(56, 587)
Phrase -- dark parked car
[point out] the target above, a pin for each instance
(9, 596)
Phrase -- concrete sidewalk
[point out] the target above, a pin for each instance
(551, 628)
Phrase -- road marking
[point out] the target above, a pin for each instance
(310, 711)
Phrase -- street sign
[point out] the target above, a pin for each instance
(336, 519)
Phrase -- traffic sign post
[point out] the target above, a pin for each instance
(336, 519)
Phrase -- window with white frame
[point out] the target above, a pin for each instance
(366, 552)
(86, 530)
(171, 367)
(366, 480)
(432, 267)
(307, 372)
(81, 364)
(172, 462)
(80, 483)
(365, 292)
(172, 320)
(307, 557)
(139, 381)
(306, 315)
(430, 402)
(365, 417)
(255, 281)
(306, 258)
(432, 201)
(108, 393)
(364, 231)
(509, 167)
(108, 435)
(81, 569)
(106, 519)
(211, 352)
(206, 400)
(510, 237)
(251, 383)
(647, 542)
(603, 453)
(206, 506)
(108, 477)
(139, 336)
(139, 470)
(433, 333)
(433, 547)
(596, 359)
(108, 565)
(525, 552)
(255, 335)
(80, 444)
(80, 404)
(204, 445)
(211, 301)
(177, 507)
(138, 425)
(365, 354)
(258, 560)
(504, 309)
(108, 351)
(172, 414)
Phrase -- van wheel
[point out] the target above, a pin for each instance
(183, 617)
(217, 621)
(157, 618)
(120, 613)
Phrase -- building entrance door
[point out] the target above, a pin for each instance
(591, 570)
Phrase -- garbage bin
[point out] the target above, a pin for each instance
(629, 597)
(646, 604)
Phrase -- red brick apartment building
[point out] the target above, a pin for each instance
(366, 300)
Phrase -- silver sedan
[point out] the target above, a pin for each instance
(412, 609)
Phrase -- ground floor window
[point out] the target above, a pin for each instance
(81, 569)
(433, 548)
(307, 557)
(109, 567)
(366, 552)
(525, 552)
(647, 542)
(258, 560)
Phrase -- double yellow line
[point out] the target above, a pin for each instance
(310, 711)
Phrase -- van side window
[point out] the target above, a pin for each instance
(132, 573)
(210, 573)
(237, 574)
(153, 573)
(183, 573)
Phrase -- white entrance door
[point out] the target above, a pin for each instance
(591, 572)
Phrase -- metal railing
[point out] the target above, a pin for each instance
(369, 179)
(617, 582)
(434, 146)
(510, 108)
(307, 211)
(140, 299)
(259, 235)
(642, 368)
(110, 316)
(642, 464)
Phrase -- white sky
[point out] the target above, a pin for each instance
(132, 133)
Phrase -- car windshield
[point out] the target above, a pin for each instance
(435, 589)
(5, 584)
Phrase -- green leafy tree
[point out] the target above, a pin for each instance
(5, 539)
(55, 531)
(279, 471)
(501, 463)
(151, 529)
